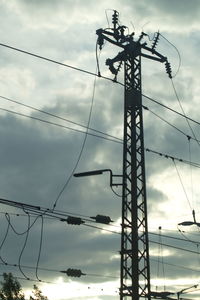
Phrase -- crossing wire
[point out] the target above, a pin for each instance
(170, 124)
(71, 214)
(58, 117)
(115, 139)
(90, 73)
(38, 56)
(57, 124)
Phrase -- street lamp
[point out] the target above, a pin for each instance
(100, 172)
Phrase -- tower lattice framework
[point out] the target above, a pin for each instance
(135, 269)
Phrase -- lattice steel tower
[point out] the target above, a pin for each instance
(135, 271)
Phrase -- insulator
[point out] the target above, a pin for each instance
(100, 41)
(156, 39)
(186, 223)
(73, 272)
(74, 221)
(115, 18)
(168, 69)
(102, 219)
(112, 69)
(161, 294)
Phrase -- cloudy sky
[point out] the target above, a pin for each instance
(37, 158)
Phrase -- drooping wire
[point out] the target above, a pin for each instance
(183, 187)
(40, 247)
(27, 231)
(191, 173)
(116, 232)
(3, 241)
(179, 56)
(160, 258)
(72, 214)
(7, 215)
(167, 122)
(82, 147)
(24, 246)
(115, 192)
(177, 97)
(198, 255)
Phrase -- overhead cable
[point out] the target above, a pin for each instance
(183, 187)
(115, 139)
(40, 248)
(23, 248)
(58, 117)
(86, 218)
(176, 94)
(171, 109)
(82, 147)
(57, 62)
(170, 124)
(58, 125)
(43, 211)
(194, 164)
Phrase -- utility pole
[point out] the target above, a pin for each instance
(135, 270)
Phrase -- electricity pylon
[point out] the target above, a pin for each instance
(135, 270)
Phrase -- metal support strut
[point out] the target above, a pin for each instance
(135, 273)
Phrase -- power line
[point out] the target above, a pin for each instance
(58, 63)
(171, 109)
(170, 124)
(115, 139)
(82, 147)
(194, 164)
(42, 211)
(90, 274)
(177, 266)
(58, 117)
(40, 247)
(177, 97)
(90, 220)
(173, 237)
(179, 56)
(53, 270)
(31, 279)
(175, 247)
(23, 248)
(56, 124)
(183, 187)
